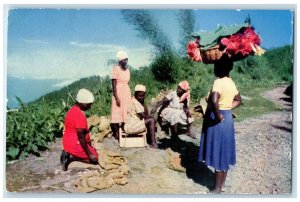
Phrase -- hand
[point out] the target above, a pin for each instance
(152, 111)
(188, 113)
(118, 102)
(220, 118)
(93, 158)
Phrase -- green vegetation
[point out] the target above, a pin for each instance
(33, 126)
(256, 105)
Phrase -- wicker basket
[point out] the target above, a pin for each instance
(211, 55)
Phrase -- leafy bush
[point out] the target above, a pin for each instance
(254, 68)
(32, 127)
(165, 67)
(281, 62)
(145, 76)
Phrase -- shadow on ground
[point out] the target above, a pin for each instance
(197, 171)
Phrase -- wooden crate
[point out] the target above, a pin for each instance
(132, 140)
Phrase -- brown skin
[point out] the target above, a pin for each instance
(221, 70)
(81, 133)
(149, 120)
(165, 102)
(115, 126)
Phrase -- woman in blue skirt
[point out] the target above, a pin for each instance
(217, 143)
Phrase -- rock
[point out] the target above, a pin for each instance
(93, 120)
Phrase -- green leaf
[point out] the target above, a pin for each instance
(24, 154)
(34, 148)
(13, 152)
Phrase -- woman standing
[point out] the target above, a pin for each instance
(121, 93)
(217, 144)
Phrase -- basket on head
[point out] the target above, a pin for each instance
(211, 55)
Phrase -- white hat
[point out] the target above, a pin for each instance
(139, 87)
(121, 55)
(84, 96)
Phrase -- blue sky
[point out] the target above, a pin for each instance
(70, 44)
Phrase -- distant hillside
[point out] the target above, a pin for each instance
(28, 89)
(97, 85)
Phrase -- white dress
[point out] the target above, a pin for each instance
(174, 112)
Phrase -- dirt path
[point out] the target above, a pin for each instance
(263, 162)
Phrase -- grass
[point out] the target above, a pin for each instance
(256, 105)
(253, 107)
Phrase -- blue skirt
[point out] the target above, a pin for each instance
(217, 143)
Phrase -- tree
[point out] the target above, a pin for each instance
(186, 19)
(164, 66)
(148, 29)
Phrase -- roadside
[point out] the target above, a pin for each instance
(263, 162)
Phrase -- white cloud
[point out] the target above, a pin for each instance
(63, 83)
(76, 60)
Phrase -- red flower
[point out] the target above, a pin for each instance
(193, 51)
(241, 43)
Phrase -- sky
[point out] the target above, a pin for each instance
(69, 44)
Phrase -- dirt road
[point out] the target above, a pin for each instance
(264, 159)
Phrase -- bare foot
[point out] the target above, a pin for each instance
(191, 135)
(215, 191)
(154, 146)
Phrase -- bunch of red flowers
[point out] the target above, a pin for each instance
(193, 51)
(238, 45)
(241, 42)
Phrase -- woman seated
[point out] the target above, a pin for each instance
(138, 117)
(76, 138)
(174, 109)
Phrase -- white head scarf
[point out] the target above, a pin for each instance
(121, 55)
(84, 96)
(139, 87)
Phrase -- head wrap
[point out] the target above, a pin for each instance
(84, 96)
(121, 56)
(186, 96)
(139, 87)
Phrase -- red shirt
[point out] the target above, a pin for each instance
(75, 118)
